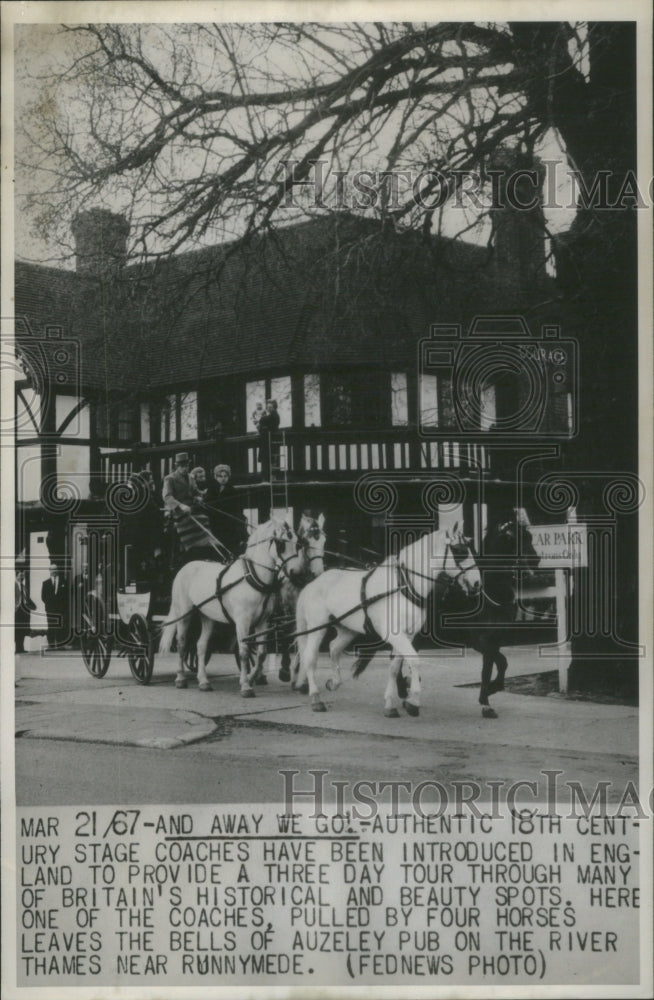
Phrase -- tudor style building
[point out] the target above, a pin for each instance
(334, 318)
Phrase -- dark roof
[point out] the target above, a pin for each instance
(332, 290)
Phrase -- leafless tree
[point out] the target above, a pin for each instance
(191, 130)
(211, 125)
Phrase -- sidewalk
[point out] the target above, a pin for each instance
(56, 698)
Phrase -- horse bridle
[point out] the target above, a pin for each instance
(450, 547)
(305, 539)
(280, 544)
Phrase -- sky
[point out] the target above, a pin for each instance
(42, 49)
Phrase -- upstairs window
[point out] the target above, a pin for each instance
(488, 408)
(188, 416)
(255, 393)
(428, 400)
(312, 412)
(145, 423)
(260, 390)
(126, 422)
(280, 390)
(399, 400)
(168, 425)
(337, 400)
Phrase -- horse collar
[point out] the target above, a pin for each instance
(255, 580)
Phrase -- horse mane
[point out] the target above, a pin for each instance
(262, 532)
(411, 550)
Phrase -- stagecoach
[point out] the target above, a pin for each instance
(124, 615)
(128, 601)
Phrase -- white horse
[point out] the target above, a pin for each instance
(242, 593)
(312, 540)
(387, 602)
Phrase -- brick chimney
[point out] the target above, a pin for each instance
(518, 233)
(100, 242)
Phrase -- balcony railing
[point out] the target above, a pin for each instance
(313, 454)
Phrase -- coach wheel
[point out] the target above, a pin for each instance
(95, 640)
(141, 654)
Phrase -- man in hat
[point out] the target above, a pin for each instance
(177, 492)
(181, 499)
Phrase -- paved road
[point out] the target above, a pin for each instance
(83, 741)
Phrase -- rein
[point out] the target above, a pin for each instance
(250, 576)
(365, 602)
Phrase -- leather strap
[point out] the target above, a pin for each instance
(369, 628)
(407, 589)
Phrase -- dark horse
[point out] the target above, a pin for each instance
(507, 553)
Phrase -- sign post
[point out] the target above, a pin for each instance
(561, 547)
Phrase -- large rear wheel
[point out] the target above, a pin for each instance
(95, 640)
(141, 649)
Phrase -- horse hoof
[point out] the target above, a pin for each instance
(488, 713)
(181, 683)
(411, 709)
(205, 686)
(391, 713)
(318, 706)
(247, 693)
(261, 681)
(284, 674)
(301, 688)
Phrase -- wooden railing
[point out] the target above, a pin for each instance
(324, 455)
(313, 454)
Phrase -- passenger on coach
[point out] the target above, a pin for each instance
(198, 480)
(225, 512)
(182, 500)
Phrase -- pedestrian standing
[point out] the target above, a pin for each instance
(55, 599)
(23, 605)
(268, 450)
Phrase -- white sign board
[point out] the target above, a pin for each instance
(132, 604)
(560, 546)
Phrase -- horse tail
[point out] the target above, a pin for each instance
(167, 637)
(170, 630)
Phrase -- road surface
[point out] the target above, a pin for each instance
(87, 741)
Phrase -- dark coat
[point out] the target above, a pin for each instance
(225, 514)
(268, 422)
(56, 608)
(24, 604)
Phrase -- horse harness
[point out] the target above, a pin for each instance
(404, 587)
(251, 577)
